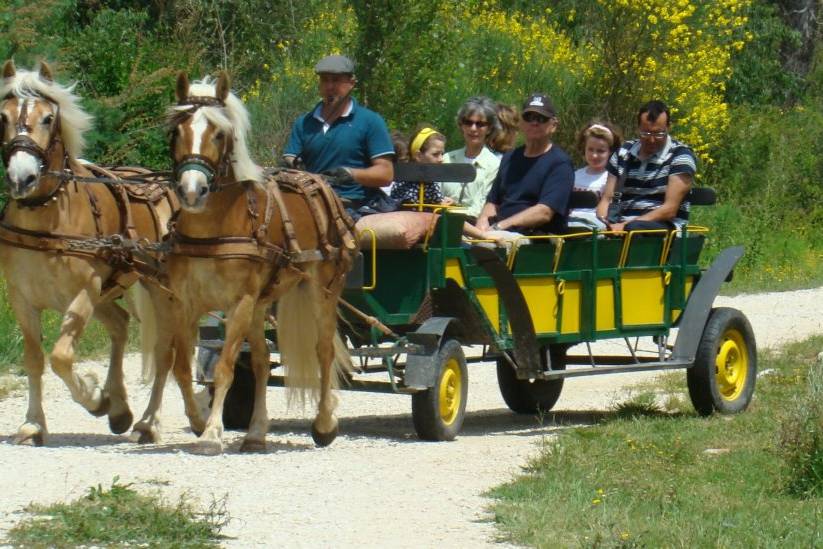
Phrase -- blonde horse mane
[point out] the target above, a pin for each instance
(233, 119)
(74, 121)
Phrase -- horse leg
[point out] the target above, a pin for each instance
(84, 388)
(116, 321)
(237, 326)
(325, 426)
(147, 430)
(184, 342)
(33, 431)
(255, 440)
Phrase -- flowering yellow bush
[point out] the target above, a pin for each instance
(426, 63)
(676, 51)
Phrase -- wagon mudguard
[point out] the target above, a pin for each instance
(421, 368)
(694, 317)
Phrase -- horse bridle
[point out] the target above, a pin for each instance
(23, 142)
(199, 162)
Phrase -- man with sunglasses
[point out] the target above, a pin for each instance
(656, 173)
(530, 194)
(343, 140)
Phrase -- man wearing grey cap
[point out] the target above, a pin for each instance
(345, 141)
(530, 194)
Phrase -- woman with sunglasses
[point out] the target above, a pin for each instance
(477, 120)
(530, 194)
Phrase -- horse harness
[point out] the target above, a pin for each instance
(130, 256)
(323, 204)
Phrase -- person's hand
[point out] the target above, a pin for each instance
(617, 226)
(338, 176)
(496, 237)
(448, 201)
(482, 223)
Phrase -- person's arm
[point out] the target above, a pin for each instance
(677, 187)
(606, 197)
(379, 174)
(533, 216)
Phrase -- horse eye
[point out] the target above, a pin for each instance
(220, 136)
(48, 119)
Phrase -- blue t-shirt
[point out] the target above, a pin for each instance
(352, 141)
(523, 182)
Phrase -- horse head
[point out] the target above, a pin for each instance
(208, 141)
(41, 127)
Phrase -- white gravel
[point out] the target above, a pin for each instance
(376, 486)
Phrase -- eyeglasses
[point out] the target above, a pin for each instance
(534, 117)
(469, 123)
(655, 135)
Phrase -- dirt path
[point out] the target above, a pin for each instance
(377, 485)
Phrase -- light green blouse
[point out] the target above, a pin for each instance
(472, 195)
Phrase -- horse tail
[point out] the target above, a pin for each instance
(145, 312)
(297, 337)
(299, 314)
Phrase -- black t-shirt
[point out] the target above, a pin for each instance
(525, 181)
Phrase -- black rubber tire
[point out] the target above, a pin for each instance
(531, 397)
(727, 335)
(239, 405)
(431, 421)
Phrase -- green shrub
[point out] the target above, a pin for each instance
(801, 437)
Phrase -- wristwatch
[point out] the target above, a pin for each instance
(495, 227)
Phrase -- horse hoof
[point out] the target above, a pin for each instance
(30, 436)
(120, 424)
(208, 448)
(103, 409)
(144, 435)
(321, 440)
(253, 446)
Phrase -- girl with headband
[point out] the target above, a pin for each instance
(596, 142)
(426, 145)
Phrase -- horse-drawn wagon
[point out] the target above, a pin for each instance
(409, 313)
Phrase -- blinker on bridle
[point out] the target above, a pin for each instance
(199, 162)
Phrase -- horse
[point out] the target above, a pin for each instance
(242, 241)
(62, 242)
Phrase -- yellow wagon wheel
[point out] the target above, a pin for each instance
(438, 412)
(725, 368)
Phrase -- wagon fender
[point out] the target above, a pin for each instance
(699, 305)
(421, 369)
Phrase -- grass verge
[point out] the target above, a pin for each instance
(119, 517)
(650, 477)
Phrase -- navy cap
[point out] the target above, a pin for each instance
(335, 64)
(539, 103)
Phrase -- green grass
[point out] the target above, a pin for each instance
(645, 478)
(120, 517)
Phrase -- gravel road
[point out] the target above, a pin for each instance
(377, 485)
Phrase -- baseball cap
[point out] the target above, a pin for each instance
(539, 103)
(335, 64)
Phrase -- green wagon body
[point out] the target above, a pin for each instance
(412, 310)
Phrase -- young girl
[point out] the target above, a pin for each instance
(426, 145)
(597, 141)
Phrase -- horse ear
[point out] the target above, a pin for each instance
(223, 86)
(182, 89)
(8, 69)
(45, 72)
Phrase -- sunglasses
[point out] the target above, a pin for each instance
(534, 117)
(469, 123)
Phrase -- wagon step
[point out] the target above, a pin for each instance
(619, 368)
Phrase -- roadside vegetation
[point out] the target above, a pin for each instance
(119, 516)
(654, 474)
